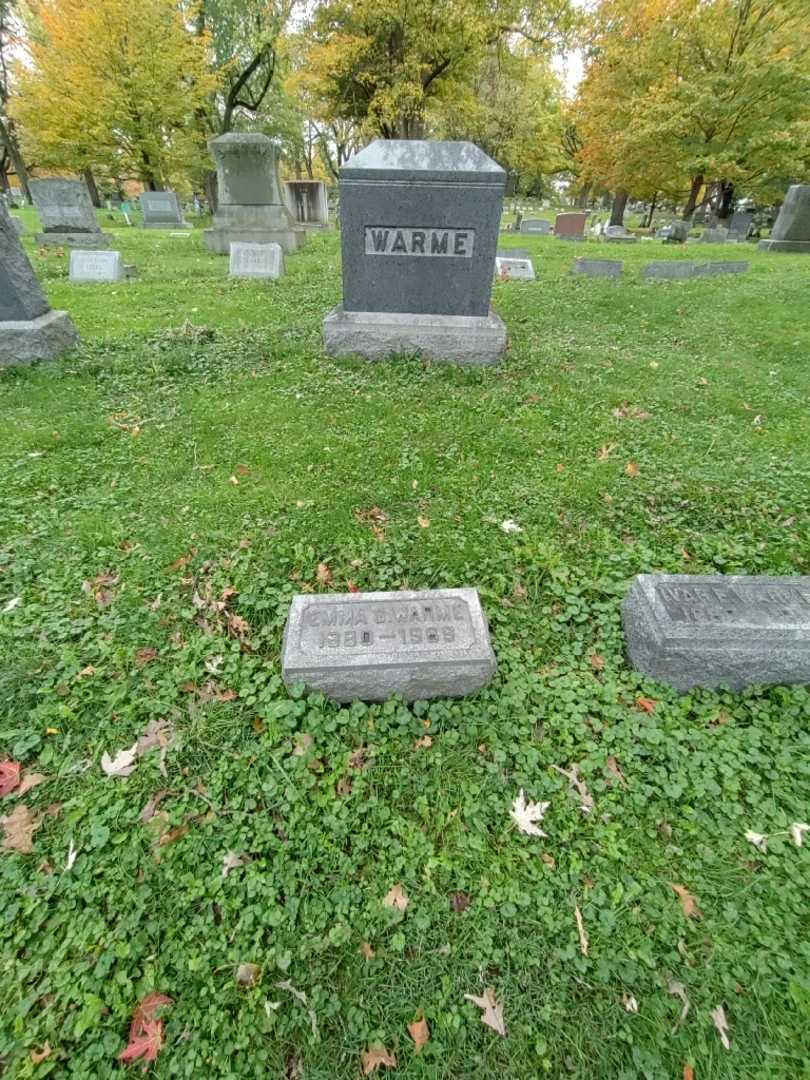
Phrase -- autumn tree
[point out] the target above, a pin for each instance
(11, 157)
(115, 86)
(380, 63)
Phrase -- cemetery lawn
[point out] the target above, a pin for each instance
(169, 487)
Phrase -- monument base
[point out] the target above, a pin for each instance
(45, 338)
(167, 225)
(801, 247)
(477, 340)
(219, 240)
(75, 239)
(621, 239)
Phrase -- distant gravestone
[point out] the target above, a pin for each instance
(307, 201)
(256, 260)
(19, 226)
(791, 231)
(716, 235)
(419, 231)
(668, 270)
(251, 207)
(161, 210)
(741, 222)
(618, 234)
(29, 329)
(95, 266)
(536, 225)
(713, 269)
(677, 232)
(570, 226)
(67, 215)
(369, 646)
(514, 268)
(692, 630)
(597, 267)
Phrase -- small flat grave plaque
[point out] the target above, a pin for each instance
(95, 265)
(513, 269)
(256, 260)
(368, 646)
(668, 270)
(712, 269)
(714, 630)
(597, 267)
(536, 225)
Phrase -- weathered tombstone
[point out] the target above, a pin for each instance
(95, 266)
(690, 630)
(419, 231)
(791, 231)
(570, 226)
(536, 225)
(717, 235)
(251, 206)
(712, 269)
(368, 646)
(307, 202)
(740, 224)
(677, 232)
(67, 215)
(597, 267)
(668, 270)
(29, 328)
(514, 268)
(256, 260)
(161, 210)
(618, 234)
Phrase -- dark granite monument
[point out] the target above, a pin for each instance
(251, 206)
(29, 329)
(67, 215)
(368, 646)
(791, 231)
(161, 210)
(419, 231)
(692, 630)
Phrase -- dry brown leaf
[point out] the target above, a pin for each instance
(396, 898)
(549, 860)
(424, 743)
(631, 468)
(688, 902)
(148, 811)
(459, 901)
(238, 626)
(578, 786)
(492, 1015)
(232, 861)
(677, 989)
(247, 975)
(688, 1073)
(89, 670)
(583, 937)
(357, 759)
(19, 827)
(616, 769)
(30, 780)
(424, 522)
(40, 1055)
(303, 742)
(606, 451)
(720, 1021)
(419, 1032)
(156, 734)
(597, 662)
(10, 772)
(375, 1057)
(646, 704)
(367, 951)
(145, 656)
(323, 575)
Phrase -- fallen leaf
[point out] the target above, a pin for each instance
(424, 743)
(720, 1021)
(797, 831)
(324, 575)
(583, 937)
(238, 626)
(375, 1057)
(180, 563)
(145, 656)
(424, 522)
(357, 759)
(688, 903)
(367, 951)
(232, 861)
(19, 827)
(606, 451)
(419, 1032)
(578, 786)
(302, 743)
(85, 672)
(156, 735)
(302, 997)
(39, 1055)
(549, 860)
(526, 814)
(15, 601)
(247, 975)
(510, 526)
(597, 662)
(759, 840)
(616, 769)
(352, 586)
(146, 1030)
(151, 806)
(631, 468)
(630, 1003)
(9, 776)
(71, 855)
(459, 901)
(122, 764)
(492, 1015)
(396, 898)
(688, 1073)
(677, 989)
(645, 704)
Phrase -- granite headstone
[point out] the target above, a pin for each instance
(95, 266)
(29, 328)
(571, 226)
(419, 231)
(791, 231)
(161, 210)
(677, 232)
(256, 260)
(67, 215)
(714, 631)
(540, 226)
(618, 234)
(368, 646)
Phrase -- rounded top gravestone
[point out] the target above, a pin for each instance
(247, 169)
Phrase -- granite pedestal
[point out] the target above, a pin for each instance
(369, 646)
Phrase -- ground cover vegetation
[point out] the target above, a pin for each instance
(298, 881)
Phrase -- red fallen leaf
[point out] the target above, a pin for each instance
(646, 704)
(146, 1030)
(39, 1055)
(352, 586)
(9, 776)
(597, 662)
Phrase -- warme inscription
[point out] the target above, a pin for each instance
(455, 243)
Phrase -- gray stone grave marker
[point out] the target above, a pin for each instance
(251, 206)
(597, 267)
(419, 231)
(618, 234)
(713, 269)
(690, 630)
(29, 329)
(514, 268)
(95, 266)
(67, 215)
(536, 225)
(677, 232)
(717, 235)
(668, 270)
(161, 210)
(368, 646)
(256, 260)
(791, 231)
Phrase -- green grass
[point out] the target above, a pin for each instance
(119, 461)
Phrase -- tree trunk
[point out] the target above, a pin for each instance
(725, 204)
(691, 202)
(90, 180)
(617, 211)
(9, 139)
(211, 190)
(649, 221)
(584, 194)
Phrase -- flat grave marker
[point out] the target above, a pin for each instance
(536, 225)
(256, 260)
(611, 268)
(95, 266)
(368, 646)
(514, 268)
